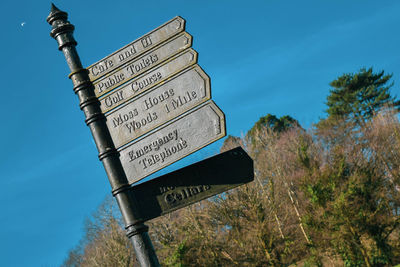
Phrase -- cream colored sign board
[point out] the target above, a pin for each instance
(136, 48)
(147, 80)
(177, 95)
(173, 141)
(143, 63)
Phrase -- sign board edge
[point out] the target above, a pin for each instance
(183, 21)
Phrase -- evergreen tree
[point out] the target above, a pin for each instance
(357, 97)
(350, 176)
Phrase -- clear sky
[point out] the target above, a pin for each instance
(262, 56)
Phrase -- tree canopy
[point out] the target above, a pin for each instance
(358, 96)
(310, 204)
(277, 125)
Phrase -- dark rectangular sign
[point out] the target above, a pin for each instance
(193, 183)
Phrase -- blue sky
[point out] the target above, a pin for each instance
(262, 56)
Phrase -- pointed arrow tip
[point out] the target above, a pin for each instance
(55, 13)
(54, 8)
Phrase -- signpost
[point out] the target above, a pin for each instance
(148, 80)
(172, 142)
(147, 106)
(179, 94)
(145, 62)
(193, 183)
(136, 48)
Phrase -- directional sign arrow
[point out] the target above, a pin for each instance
(193, 183)
(173, 141)
(181, 93)
(147, 80)
(141, 64)
(136, 48)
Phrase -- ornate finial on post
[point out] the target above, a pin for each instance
(58, 20)
(55, 14)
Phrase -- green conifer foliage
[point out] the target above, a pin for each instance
(357, 97)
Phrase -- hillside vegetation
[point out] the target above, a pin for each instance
(327, 196)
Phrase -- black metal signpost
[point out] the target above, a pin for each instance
(135, 229)
(171, 191)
